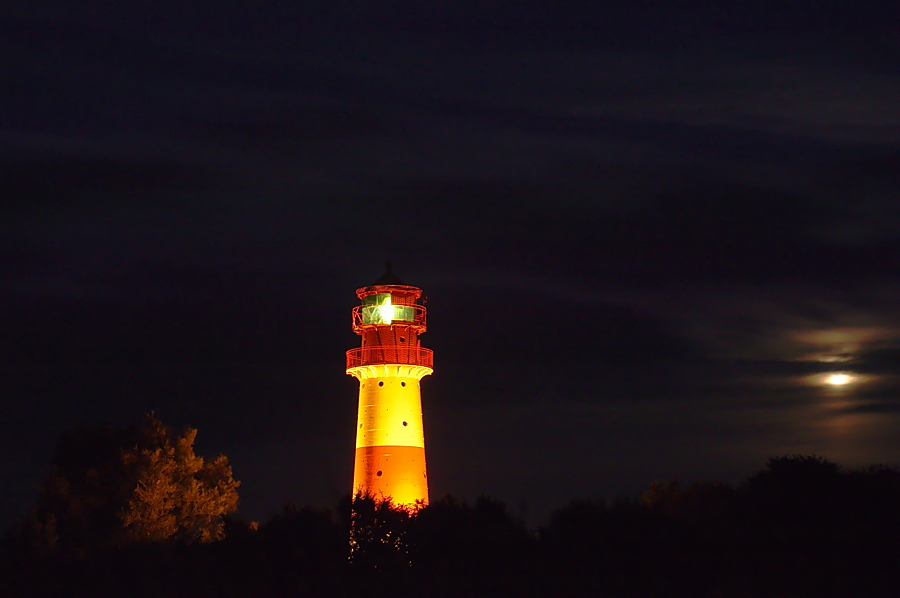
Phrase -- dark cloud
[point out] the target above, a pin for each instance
(882, 360)
(646, 233)
(886, 406)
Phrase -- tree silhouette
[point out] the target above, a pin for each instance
(304, 552)
(378, 544)
(800, 527)
(810, 527)
(462, 550)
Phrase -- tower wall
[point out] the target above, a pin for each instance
(390, 442)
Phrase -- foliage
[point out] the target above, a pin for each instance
(800, 527)
(379, 548)
(142, 484)
(458, 549)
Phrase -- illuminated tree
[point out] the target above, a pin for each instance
(177, 494)
(144, 484)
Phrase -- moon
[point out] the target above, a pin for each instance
(839, 379)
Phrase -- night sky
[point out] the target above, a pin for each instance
(647, 232)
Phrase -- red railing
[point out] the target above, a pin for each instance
(377, 355)
(403, 315)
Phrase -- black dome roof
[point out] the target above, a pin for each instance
(389, 277)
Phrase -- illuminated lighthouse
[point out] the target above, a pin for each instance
(390, 441)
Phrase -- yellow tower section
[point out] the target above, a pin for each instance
(390, 364)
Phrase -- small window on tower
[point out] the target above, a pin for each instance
(403, 384)
(381, 383)
(378, 473)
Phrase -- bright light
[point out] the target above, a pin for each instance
(839, 379)
(386, 311)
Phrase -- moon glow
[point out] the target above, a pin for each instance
(839, 379)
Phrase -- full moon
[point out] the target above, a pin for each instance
(839, 379)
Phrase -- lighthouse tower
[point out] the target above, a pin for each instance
(390, 442)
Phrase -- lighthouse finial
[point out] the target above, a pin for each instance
(389, 277)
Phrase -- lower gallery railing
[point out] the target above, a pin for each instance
(390, 354)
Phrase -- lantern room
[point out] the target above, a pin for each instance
(390, 318)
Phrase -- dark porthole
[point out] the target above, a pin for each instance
(381, 383)
(424, 474)
(404, 423)
(402, 340)
(403, 384)
(360, 426)
(379, 473)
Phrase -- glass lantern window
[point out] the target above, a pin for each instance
(378, 309)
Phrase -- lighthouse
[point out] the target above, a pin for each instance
(390, 364)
